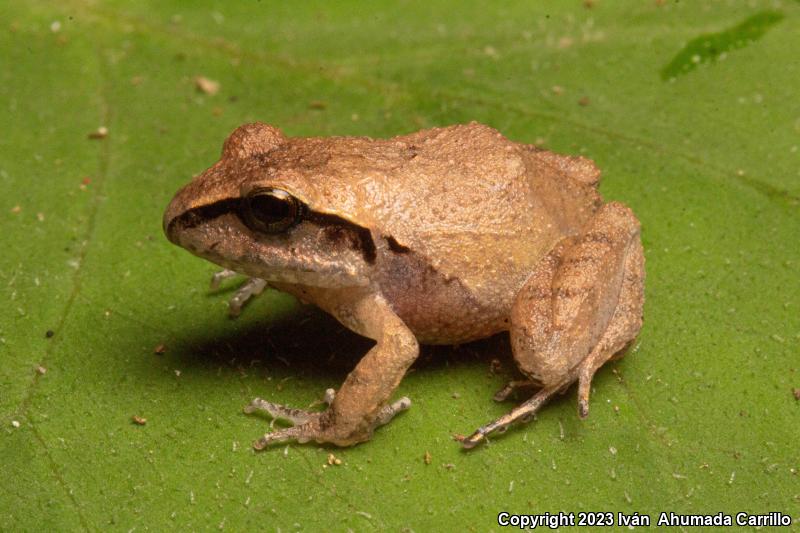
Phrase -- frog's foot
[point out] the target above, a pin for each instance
(512, 387)
(249, 289)
(314, 425)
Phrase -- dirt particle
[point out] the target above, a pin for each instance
(55, 26)
(427, 458)
(449, 466)
(15, 423)
(317, 105)
(584, 101)
(41, 370)
(16, 209)
(557, 89)
(40, 217)
(160, 349)
(138, 420)
(455, 396)
(99, 133)
(333, 460)
(796, 393)
(49, 333)
(206, 85)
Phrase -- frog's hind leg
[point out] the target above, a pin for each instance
(581, 306)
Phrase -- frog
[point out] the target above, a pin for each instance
(443, 236)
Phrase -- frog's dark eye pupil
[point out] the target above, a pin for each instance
(271, 210)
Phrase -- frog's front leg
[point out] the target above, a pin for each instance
(362, 402)
(581, 306)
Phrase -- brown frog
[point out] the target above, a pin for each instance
(442, 236)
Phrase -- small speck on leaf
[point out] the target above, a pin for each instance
(138, 420)
(160, 349)
(16, 209)
(584, 101)
(15, 423)
(41, 370)
(427, 457)
(206, 85)
(49, 333)
(99, 133)
(333, 460)
(796, 393)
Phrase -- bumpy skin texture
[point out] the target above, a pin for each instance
(442, 236)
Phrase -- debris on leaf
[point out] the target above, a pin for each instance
(333, 460)
(160, 349)
(15, 423)
(16, 209)
(796, 393)
(49, 333)
(427, 457)
(318, 105)
(449, 466)
(41, 370)
(138, 420)
(458, 437)
(206, 86)
(584, 101)
(99, 133)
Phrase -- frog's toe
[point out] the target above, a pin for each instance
(302, 434)
(522, 413)
(249, 289)
(511, 387)
(280, 412)
(219, 277)
(389, 411)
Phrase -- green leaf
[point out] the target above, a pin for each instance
(698, 418)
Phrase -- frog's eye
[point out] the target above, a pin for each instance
(271, 210)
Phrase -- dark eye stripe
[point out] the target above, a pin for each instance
(359, 238)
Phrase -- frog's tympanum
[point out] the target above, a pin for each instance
(442, 236)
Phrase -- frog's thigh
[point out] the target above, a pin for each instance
(584, 303)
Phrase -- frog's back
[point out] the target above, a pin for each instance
(472, 212)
